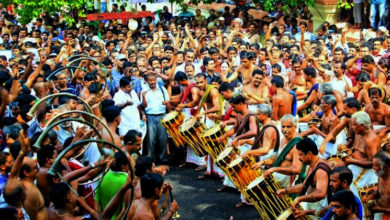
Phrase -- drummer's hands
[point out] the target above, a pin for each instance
(173, 207)
(300, 213)
(281, 192)
(258, 165)
(322, 148)
(235, 142)
(221, 139)
(180, 107)
(199, 116)
(166, 186)
(268, 172)
(295, 204)
(246, 154)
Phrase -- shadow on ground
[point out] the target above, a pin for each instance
(199, 199)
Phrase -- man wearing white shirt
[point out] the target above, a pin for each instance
(126, 98)
(339, 81)
(154, 100)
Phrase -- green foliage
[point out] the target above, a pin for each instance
(344, 4)
(34, 8)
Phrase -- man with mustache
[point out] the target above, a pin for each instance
(256, 92)
(381, 166)
(366, 145)
(351, 105)
(379, 112)
(287, 164)
(340, 179)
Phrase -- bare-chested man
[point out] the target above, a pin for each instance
(379, 112)
(151, 190)
(351, 106)
(328, 121)
(245, 69)
(315, 187)
(112, 114)
(366, 145)
(266, 143)
(46, 157)
(381, 166)
(256, 92)
(189, 97)
(327, 89)
(297, 79)
(287, 162)
(282, 101)
(210, 103)
(26, 168)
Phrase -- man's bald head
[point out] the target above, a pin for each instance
(14, 193)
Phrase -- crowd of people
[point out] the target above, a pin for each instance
(312, 109)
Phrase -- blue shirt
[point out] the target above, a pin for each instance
(329, 214)
(377, 2)
(3, 181)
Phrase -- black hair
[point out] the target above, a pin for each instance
(213, 50)
(142, 164)
(363, 76)
(277, 81)
(237, 100)
(368, 59)
(310, 71)
(257, 72)
(180, 76)
(149, 183)
(225, 87)
(9, 213)
(307, 145)
(3, 157)
(375, 91)
(352, 103)
(123, 82)
(44, 153)
(344, 174)
(206, 61)
(276, 66)
(57, 194)
(131, 136)
(120, 160)
(15, 149)
(345, 198)
(245, 55)
(231, 48)
(383, 157)
(15, 196)
(200, 75)
(110, 113)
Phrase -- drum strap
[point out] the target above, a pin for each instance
(187, 93)
(204, 97)
(260, 135)
(244, 123)
(309, 180)
(285, 151)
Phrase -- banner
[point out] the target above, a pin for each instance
(119, 15)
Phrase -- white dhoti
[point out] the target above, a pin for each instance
(330, 149)
(283, 180)
(362, 177)
(313, 206)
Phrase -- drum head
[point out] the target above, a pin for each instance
(285, 215)
(255, 182)
(211, 131)
(235, 162)
(224, 153)
(188, 124)
(170, 116)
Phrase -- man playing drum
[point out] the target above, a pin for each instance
(315, 186)
(366, 145)
(245, 128)
(187, 100)
(210, 102)
(287, 162)
(267, 141)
